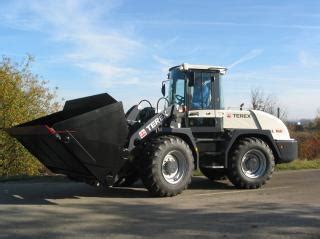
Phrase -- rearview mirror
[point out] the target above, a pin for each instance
(163, 89)
(191, 79)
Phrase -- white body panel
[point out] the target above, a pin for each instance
(278, 129)
(245, 119)
(186, 67)
(238, 119)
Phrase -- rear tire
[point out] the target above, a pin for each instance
(214, 174)
(167, 166)
(251, 163)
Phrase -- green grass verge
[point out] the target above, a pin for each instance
(299, 164)
(295, 165)
(197, 173)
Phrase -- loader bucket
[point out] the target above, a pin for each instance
(85, 140)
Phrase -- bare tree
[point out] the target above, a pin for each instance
(267, 103)
(317, 119)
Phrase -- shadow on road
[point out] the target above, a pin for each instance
(145, 220)
(37, 193)
(27, 211)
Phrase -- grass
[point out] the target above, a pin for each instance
(197, 173)
(299, 164)
(295, 165)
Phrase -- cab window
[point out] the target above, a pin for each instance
(179, 92)
(177, 87)
(201, 91)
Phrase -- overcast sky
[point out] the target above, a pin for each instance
(124, 48)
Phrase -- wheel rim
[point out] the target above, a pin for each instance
(174, 167)
(254, 163)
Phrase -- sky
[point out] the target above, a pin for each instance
(125, 47)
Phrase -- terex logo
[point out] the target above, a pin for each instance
(157, 121)
(243, 116)
(143, 133)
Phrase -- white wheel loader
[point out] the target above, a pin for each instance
(94, 141)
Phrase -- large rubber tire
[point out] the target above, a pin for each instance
(243, 171)
(156, 171)
(214, 174)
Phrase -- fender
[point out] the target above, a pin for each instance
(156, 124)
(187, 136)
(263, 134)
(149, 127)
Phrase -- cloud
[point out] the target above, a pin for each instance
(164, 45)
(301, 106)
(231, 24)
(112, 75)
(103, 50)
(164, 63)
(249, 56)
(307, 60)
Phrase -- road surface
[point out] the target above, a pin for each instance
(287, 207)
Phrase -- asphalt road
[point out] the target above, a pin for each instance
(288, 207)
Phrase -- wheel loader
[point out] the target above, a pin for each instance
(94, 141)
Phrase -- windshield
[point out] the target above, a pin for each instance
(175, 87)
(204, 89)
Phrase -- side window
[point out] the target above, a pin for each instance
(179, 93)
(206, 91)
(201, 91)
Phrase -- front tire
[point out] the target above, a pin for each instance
(167, 166)
(251, 163)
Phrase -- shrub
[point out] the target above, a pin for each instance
(23, 97)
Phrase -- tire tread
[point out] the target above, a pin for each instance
(150, 163)
(233, 172)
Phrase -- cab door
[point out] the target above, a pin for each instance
(202, 103)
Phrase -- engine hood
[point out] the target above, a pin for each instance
(267, 121)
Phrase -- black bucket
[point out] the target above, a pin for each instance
(85, 140)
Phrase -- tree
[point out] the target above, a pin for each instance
(24, 97)
(266, 103)
(317, 120)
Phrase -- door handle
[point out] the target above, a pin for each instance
(194, 114)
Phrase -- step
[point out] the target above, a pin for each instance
(213, 153)
(198, 140)
(212, 166)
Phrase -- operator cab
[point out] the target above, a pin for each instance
(196, 90)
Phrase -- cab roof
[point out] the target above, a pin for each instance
(186, 67)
